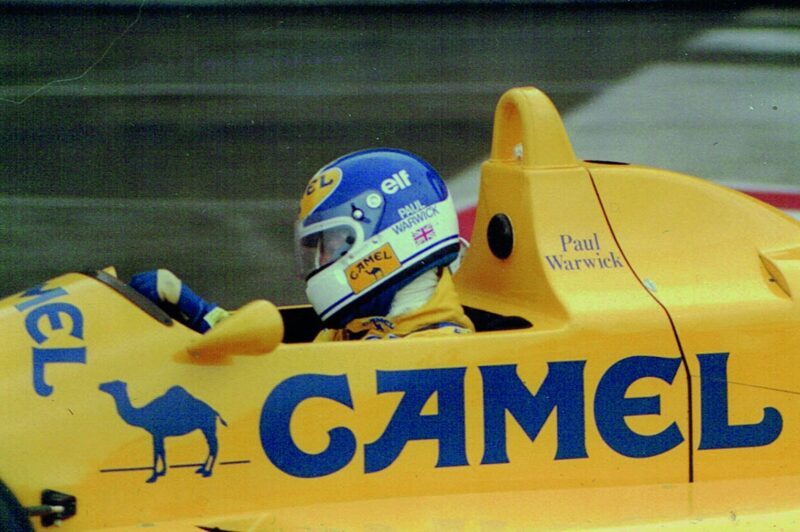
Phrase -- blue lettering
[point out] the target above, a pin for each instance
(41, 357)
(505, 391)
(43, 295)
(716, 431)
(611, 406)
(276, 415)
(408, 423)
(52, 312)
(561, 393)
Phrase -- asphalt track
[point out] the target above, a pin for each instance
(181, 138)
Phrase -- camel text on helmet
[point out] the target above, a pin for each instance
(561, 393)
(46, 314)
(372, 267)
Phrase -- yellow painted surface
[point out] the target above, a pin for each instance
(318, 189)
(748, 505)
(625, 284)
(254, 329)
(721, 296)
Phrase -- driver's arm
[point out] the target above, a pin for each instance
(166, 290)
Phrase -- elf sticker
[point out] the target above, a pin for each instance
(372, 268)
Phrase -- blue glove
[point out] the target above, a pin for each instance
(163, 288)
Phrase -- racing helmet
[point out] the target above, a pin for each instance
(370, 222)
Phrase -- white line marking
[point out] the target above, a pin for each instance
(748, 41)
(771, 17)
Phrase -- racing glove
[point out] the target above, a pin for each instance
(163, 288)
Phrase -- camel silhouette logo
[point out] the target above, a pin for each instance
(175, 413)
(376, 273)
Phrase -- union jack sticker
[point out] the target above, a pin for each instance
(423, 234)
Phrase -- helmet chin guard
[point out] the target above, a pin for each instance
(371, 222)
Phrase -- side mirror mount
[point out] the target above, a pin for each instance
(254, 329)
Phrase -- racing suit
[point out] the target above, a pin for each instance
(441, 315)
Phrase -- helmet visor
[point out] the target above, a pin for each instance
(322, 248)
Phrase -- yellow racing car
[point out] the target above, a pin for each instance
(636, 363)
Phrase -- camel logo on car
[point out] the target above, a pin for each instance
(174, 413)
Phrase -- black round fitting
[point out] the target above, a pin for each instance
(500, 236)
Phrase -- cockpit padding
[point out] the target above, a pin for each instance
(490, 321)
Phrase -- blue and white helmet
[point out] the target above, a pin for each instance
(371, 222)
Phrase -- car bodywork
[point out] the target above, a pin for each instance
(635, 364)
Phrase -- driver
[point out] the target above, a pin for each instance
(375, 236)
